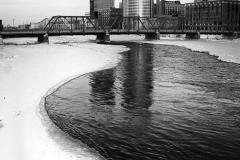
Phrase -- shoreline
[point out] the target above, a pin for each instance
(73, 143)
(225, 50)
(27, 77)
(60, 145)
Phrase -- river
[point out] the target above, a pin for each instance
(161, 102)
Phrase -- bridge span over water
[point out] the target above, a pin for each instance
(151, 27)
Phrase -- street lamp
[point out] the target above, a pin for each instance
(13, 22)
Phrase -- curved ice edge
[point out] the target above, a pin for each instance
(223, 58)
(220, 58)
(64, 141)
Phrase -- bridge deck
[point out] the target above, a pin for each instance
(34, 33)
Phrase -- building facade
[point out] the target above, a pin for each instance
(104, 4)
(104, 9)
(93, 8)
(116, 13)
(195, 1)
(214, 12)
(121, 4)
(141, 8)
(169, 8)
(1, 26)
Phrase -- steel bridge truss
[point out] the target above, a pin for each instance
(73, 25)
(128, 25)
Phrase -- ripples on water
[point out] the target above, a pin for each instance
(160, 102)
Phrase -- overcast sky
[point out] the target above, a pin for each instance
(26, 11)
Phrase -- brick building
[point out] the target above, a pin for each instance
(115, 13)
(104, 4)
(101, 10)
(1, 26)
(169, 8)
(93, 8)
(214, 12)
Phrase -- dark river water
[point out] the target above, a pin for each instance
(160, 103)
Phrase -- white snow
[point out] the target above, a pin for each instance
(226, 50)
(28, 71)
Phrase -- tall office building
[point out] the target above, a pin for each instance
(101, 9)
(169, 8)
(142, 8)
(104, 4)
(121, 4)
(93, 8)
(97, 6)
(1, 26)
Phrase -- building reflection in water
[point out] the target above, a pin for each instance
(122, 97)
(131, 81)
(136, 74)
(102, 87)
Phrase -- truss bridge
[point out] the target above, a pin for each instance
(102, 28)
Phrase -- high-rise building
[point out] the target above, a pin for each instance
(116, 13)
(101, 10)
(141, 8)
(1, 26)
(169, 8)
(93, 8)
(121, 4)
(104, 4)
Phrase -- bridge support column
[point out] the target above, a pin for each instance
(152, 36)
(43, 39)
(193, 35)
(233, 35)
(103, 38)
(1, 40)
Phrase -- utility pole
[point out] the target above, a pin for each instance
(13, 22)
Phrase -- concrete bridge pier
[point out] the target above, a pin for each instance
(193, 35)
(103, 38)
(1, 40)
(233, 35)
(43, 39)
(152, 36)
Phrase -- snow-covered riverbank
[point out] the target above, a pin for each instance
(226, 50)
(27, 73)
